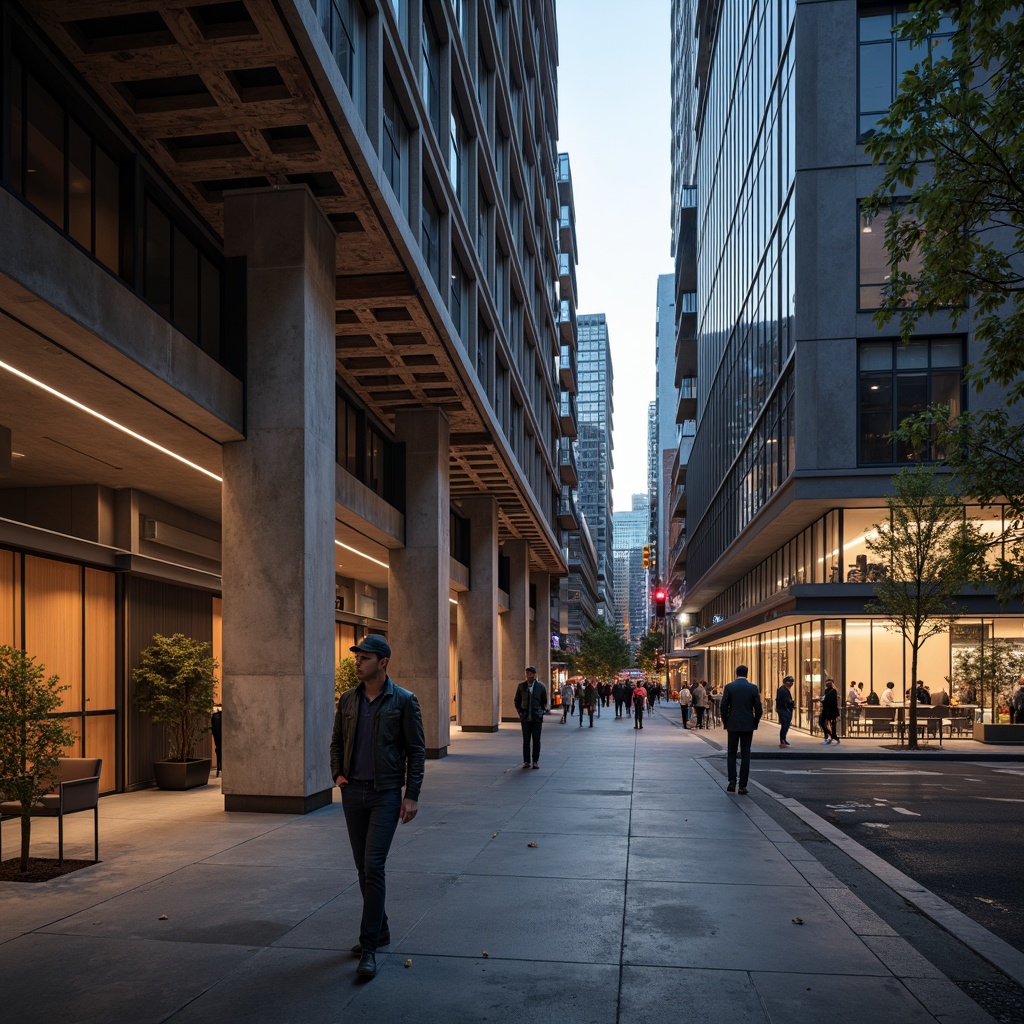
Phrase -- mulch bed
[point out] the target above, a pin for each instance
(40, 869)
(904, 747)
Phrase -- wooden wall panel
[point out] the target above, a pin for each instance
(100, 652)
(10, 603)
(100, 741)
(218, 645)
(53, 622)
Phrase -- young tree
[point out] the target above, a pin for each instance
(345, 676)
(176, 684)
(647, 651)
(32, 741)
(603, 651)
(932, 551)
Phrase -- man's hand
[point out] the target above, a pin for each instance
(407, 811)
(341, 781)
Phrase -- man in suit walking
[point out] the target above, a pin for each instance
(784, 705)
(531, 702)
(741, 711)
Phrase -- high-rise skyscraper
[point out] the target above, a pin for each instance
(797, 390)
(631, 591)
(594, 450)
(279, 359)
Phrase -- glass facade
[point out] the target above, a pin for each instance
(744, 446)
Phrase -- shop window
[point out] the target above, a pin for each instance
(896, 381)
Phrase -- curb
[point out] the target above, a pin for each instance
(999, 953)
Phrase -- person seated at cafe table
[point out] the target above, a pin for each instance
(889, 699)
(854, 696)
(922, 694)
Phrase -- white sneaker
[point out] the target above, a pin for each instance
(827, 742)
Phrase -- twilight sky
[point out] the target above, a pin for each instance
(614, 116)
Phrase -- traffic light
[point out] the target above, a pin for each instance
(659, 602)
(647, 556)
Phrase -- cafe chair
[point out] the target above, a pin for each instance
(77, 789)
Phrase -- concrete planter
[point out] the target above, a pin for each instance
(998, 733)
(182, 774)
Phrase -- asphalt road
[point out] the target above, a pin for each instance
(957, 828)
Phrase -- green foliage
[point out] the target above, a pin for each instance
(32, 740)
(991, 668)
(603, 651)
(176, 684)
(345, 676)
(951, 143)
(650, 646)
(931, 552)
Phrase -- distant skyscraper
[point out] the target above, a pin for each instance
(631, 534)
(594, 450)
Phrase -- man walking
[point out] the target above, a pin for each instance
(784, 705)
(829, 701)
(377, 745)
(741, 711)
(567, 693)
(639, 700)
(700, 702)
(531, 703)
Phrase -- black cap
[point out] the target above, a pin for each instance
(373, 644)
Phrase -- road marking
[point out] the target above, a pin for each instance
(874, 824)
(903, 810)
(1002, 799)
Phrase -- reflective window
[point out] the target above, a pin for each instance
(885, 59)
(874, 272)
(896, 381)
(430, 234)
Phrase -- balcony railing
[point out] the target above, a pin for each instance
(567, 471)
(567, 416)
(566, 277)
(677, 552)
(687, 406)
(567, 369)
(567, 231)
(567, 322)
(568, 518)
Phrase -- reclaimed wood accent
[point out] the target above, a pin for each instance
(100, 651)
(53, 622)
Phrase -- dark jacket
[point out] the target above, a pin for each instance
(830, 703)
(784, 699)
(398, 749)
(540, 700)
(741, 706)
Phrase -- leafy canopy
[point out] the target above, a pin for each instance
(931, 551)
(603, 651)
(32, 740)
(176, 685)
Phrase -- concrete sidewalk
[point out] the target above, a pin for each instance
(602, 921)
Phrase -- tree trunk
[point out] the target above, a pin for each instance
(26, 835)
(912, 718)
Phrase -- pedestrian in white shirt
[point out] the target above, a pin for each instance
(889, 697)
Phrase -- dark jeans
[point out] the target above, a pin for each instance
(531, 736)
(741, 740)
(700, 716)
(828, 726)
(638, 722)
(785, 721)
(371, 817)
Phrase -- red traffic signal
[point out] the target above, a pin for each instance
(659, 601)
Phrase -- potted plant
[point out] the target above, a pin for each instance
(176, 686)
(32, 740)
(344, 676)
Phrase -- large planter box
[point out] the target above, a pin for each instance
(182, 774)
(999, 733)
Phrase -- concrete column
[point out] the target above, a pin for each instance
(516, 652)
(478, 621)
(542, 628)
(278, 511)
(419, 615)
